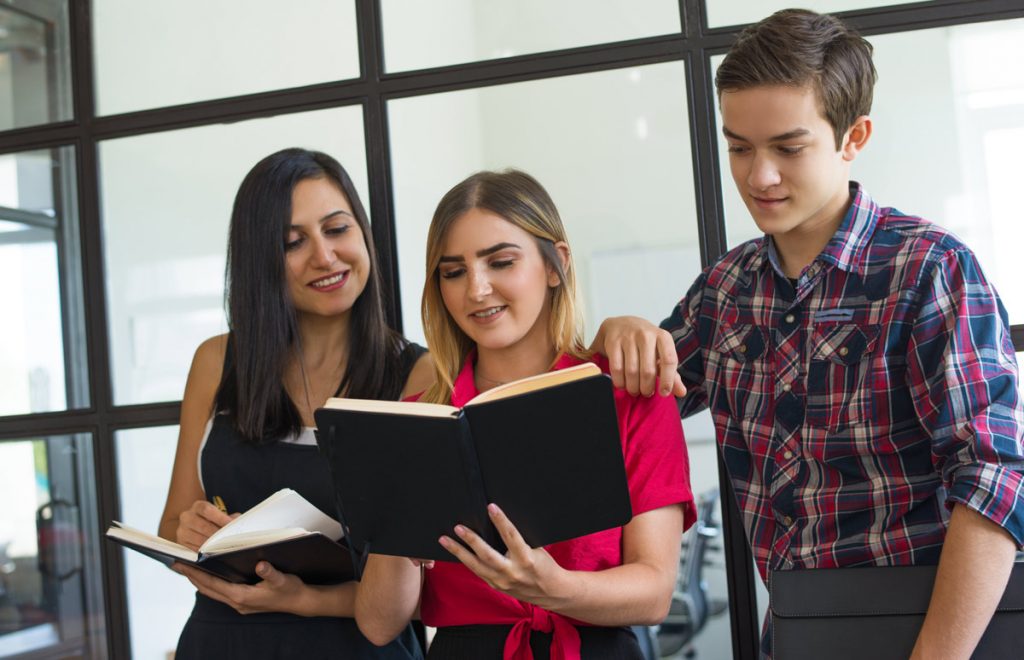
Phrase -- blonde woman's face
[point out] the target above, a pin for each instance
(495, 283)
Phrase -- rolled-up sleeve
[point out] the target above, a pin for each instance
(963, 376)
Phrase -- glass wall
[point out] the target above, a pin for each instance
(738, 12)
(51, 602)
(420, 35)
(41, 347)
(159, 601)
(35, 62)
(157, 54)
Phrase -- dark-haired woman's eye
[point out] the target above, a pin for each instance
(292, 245)
(503, 263)
(337, 230)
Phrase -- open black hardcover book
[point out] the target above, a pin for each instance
(545, 449)
(284, 529)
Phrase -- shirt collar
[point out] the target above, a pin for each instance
(464, 386)
(846, 247)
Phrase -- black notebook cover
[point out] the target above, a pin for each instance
(315, 558)
(550, 458)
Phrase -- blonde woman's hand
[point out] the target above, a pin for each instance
(525, 573)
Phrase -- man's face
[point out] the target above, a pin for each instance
(783, 157)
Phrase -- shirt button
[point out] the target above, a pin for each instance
(788, 455)
(786, 520)
(742, 348)
(790, 318)
(787, 387)
(844, 351)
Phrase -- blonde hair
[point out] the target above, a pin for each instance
(520, 199)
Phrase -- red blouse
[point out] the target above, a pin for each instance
(658, 474)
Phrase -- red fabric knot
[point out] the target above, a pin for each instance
(565, 640)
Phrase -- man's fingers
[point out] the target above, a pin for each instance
(668, 363)
(631, 368)
(615, 365)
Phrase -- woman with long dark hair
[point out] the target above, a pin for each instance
(306, 322)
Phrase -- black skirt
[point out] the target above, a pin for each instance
(216, 631)
(481, 642)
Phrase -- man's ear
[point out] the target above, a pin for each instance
(562, 249)
(856, 137)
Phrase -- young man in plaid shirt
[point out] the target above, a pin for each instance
(857, 363)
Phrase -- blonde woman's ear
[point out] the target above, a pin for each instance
(562, 248)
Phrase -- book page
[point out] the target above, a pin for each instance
(393, 407)
(285, 509)
(147, 540)
(251, 539)
(540, 381)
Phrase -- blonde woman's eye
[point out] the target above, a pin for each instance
(502, 264)
(452, 274)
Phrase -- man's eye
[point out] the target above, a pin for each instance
(736, 149)
(790, 151)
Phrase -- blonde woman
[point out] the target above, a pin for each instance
(498, 305)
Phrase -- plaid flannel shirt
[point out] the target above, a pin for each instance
(855, 407)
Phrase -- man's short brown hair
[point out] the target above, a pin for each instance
(798, 47)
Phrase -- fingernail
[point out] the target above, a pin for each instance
(444, 540)
(493, 508)
(460, 530)
(261, 569)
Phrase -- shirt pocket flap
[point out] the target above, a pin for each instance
(845, 343)
(743, 343)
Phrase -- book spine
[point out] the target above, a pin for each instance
(474, 480)
(356, 555)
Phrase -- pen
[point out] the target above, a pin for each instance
(219, 503)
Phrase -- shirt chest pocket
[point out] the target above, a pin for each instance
(740, 351)
(839, 387)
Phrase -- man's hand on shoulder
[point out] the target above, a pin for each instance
(640, 356)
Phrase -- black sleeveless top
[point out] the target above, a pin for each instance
(244, 474)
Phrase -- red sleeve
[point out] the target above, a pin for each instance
(657, 465)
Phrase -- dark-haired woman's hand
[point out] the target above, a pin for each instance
(529, 574)
(277, 592)
(199, 522)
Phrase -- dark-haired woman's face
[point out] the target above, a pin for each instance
(326, 262)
